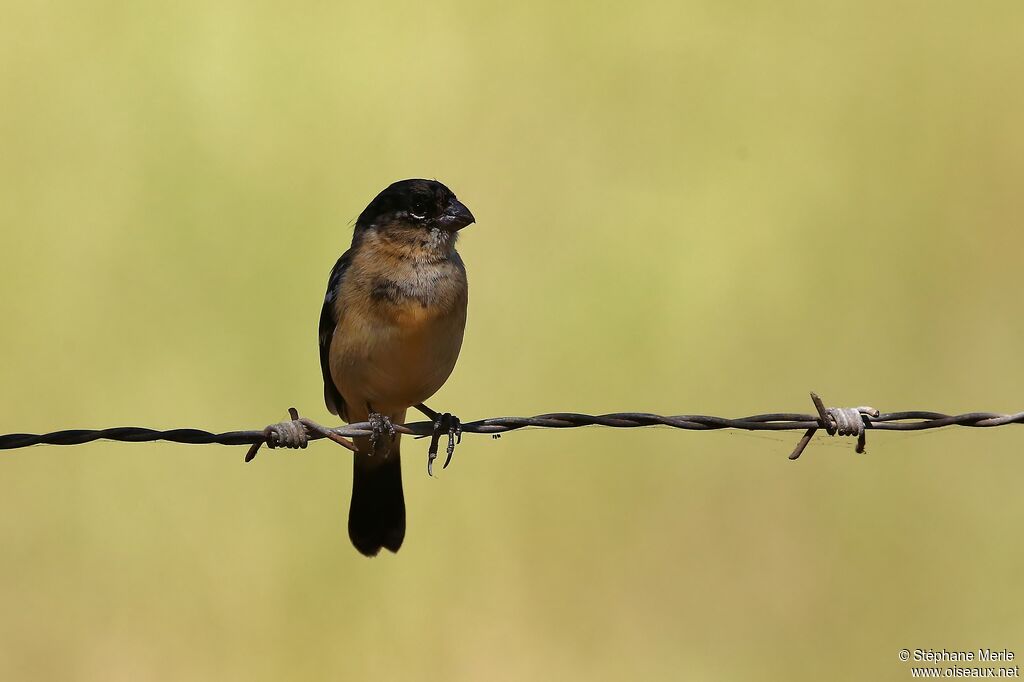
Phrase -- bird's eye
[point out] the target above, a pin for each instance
(419, 209)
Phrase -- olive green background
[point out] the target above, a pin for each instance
(691, 207)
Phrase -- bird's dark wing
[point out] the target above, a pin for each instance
(328, 323)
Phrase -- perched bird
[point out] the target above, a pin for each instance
(390, 332)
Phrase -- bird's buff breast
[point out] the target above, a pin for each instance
(393, 354)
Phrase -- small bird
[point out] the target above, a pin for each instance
(390, 332)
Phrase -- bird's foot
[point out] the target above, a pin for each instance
(444, 423)
(381, 425)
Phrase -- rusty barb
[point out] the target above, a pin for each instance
(295, 434)
(298, 431)
(844, 421)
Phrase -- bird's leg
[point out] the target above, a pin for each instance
(380, 424)
(443, 423)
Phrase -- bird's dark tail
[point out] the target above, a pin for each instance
(376, 518)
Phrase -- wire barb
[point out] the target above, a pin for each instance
(843, 421)
(295, 434)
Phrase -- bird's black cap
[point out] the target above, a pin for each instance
(425, 203)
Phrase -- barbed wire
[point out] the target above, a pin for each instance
(299, 431)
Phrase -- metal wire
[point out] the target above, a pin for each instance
(297, 432)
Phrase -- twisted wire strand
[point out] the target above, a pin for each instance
(298, 431)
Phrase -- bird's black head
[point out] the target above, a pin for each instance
(425, 204)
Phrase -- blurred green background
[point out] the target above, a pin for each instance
(687, 207)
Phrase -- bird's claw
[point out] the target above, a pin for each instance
(444, 423)
(380, 425)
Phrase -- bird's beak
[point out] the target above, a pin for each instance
(456, 216)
